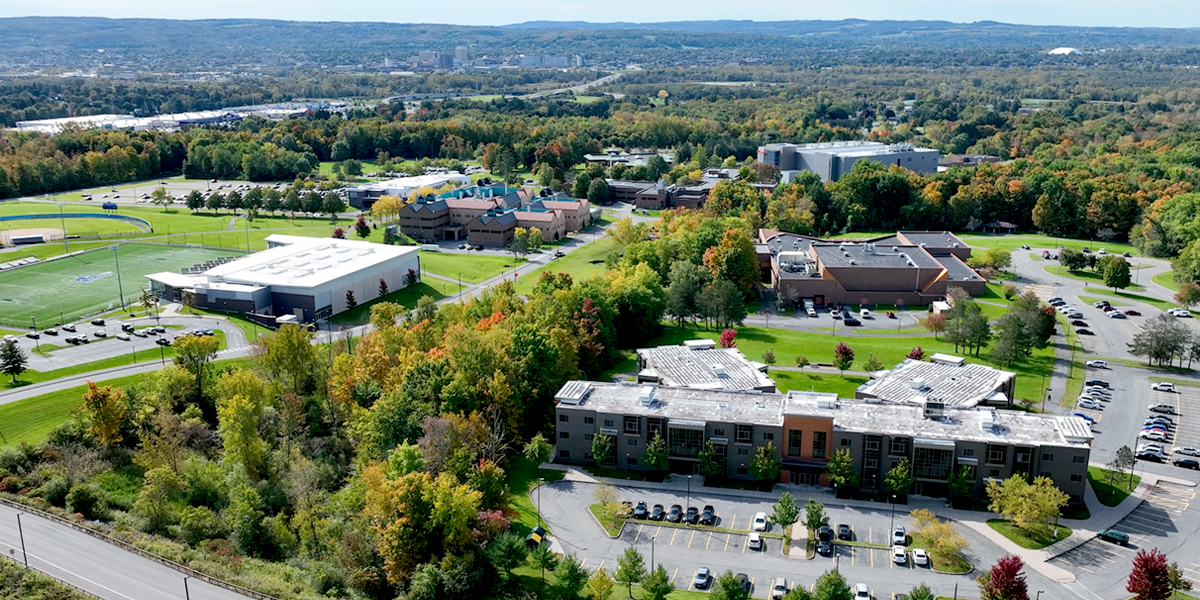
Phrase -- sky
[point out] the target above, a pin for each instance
(1122, 13)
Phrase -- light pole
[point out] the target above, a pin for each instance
(1039, 595)
(37, 336)
(652, 540)
(63, 221)
(1056, 517)
(120, 288)
(893, 516)
(541, 481)
(187, 595)
(688, 504)
(21, 531)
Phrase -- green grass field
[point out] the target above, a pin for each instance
(473, 268)
(581, 263)
(1090, 277)
(76, 226)
(1013, 242)
(1166, 280)
(802, 381)
(406, 297)
(87, 283)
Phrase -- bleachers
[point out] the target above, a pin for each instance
(29, 260)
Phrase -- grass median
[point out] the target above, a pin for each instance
(1027, 539)
(1111, 487)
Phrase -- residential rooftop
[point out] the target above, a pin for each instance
(698, 364)
(949, 379)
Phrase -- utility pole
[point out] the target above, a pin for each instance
(63, 220)
(120, 287)
(37, 336)
(21, 531)
(187, 595)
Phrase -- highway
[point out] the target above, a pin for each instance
(96, 566)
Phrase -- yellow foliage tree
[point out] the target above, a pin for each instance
(105, 408)
(387, 207)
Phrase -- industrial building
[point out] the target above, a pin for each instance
(909, 267)
(296, 278)
(807, 428)
(363, 196)
(832, 160)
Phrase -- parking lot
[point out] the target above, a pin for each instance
(681, 549)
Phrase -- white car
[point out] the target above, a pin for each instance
(1157, 436)
(760, 522)
(1116, 314)
(1092, 404)
(756, 542)
(899, 536)
(1163, 408)
(862, 592)
(899, 555)
(920, 557)
(1097, 364)
(122, 337)
(1098, 391)
(1163, 386)
(1179, 312)
(10, 338)
(1188, 450)
(779, 588)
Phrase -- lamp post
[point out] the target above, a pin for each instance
(541, 481)
(187, 595)
(652, 540)
(21, 531)
(1056, 517)
(1039, 595)
(688, 504)
(63, 221)
(37, 337)
(120, 288)
(893, 515)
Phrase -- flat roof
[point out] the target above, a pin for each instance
(834, 255)
(705, 368)
(675, 403)
(956, 269)
(912, 381)
(304, 261)
(416, 182)
(933, 239)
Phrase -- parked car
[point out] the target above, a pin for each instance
(51, 331)
(746, 584)
(779, 588)
(1132, 313)
(1085, 418)
(760, 522)
(100, 334)
(825, 533)
(1116, 314)
(1151, 456)
(691, 516)
(899, 555)
(755, 542)
(126, 327)
(920, 557)
(1078, 323)
(851, 321)
(163, 342)
(1082, 331)
(708, 516)
(1055, 300)
(899, 536)
(675, 514)
(1152, 446)
(862, 592)
(1161, 418)
(1163, 408)
(1187, 463)
(140, 333)
(1157, 436)
(33, 335)
(559, 254)
(1163, 386)
(1097, 364)
(824, 547)
(701, 578)
(1100, 303)
(1096, 383)
(835, 313)
(844, 532)
(1091, 404)
(640, 511)
(657, 513)
(70, 328)
(1074, 314)
(123, 337)
(98, 322)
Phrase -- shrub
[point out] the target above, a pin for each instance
(87, 501)
(55, 491)
(327, 579)
(199, 523)
(15, 460)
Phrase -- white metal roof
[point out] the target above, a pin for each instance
(304, 262)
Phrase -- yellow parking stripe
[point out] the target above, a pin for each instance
(673, 576)
(638, 534)
(727, 536)
(732, 521)
(601, 565)
(852, 553)
(709, 540)
(691, 538)
(745, 544)
(673, 534)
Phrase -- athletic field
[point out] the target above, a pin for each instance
(87, 283)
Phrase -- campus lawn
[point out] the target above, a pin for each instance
(87, 283)
(1155, 302)
(1026, 539)
(1014, 242)
(522, 476)
(474, 268)
(326, 168)
(82, 227)
(802, 381)
(581, 263)
(1114, 493)
(1087, 276)
(406, 297)
(1166, 279)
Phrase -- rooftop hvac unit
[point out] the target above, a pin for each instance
(826, 403)
(917, 383)
(987, 420)
(718, 370)
(646, 396)
(869, 248)
(853, 262)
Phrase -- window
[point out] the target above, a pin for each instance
(994, 473)
(589, 420)
(633, 462)
(1047, 457)
(564, 454)
(719, 431)
(563, 418)
(932, 463)
(608, 422)
(968, 452)
(845, 442)
(1078, 459)
(1045, 474)
(564, 435)
(899, 447)
(633, 425)
(768, 436)
(870, 463)
(1076, 478)
(630, 441)
(744, 451)
(871, 445)
(819, 444)
(996, 454)
(795, 442)
(745, 434)
(684, 443)
(587, 437)
(742, 470)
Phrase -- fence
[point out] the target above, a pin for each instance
(190, 572)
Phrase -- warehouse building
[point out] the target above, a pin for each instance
(298, 278)
(805, 429)
(832, 160)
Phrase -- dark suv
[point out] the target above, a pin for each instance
(708, 516)
(844, 533)
(640, 511)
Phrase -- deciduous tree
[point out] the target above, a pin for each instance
(1150, 578)
(105, 408)
(1029, 506)
(631, 569)
(843, 357)
(899, 478)
(831, 586)
(1004, 581)
(657, 585)
(814, 515)
(13, 359)
(765, 465)
(785, 511)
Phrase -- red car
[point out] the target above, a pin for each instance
(1133, 313)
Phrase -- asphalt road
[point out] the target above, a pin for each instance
(681, 550)
(95, 566)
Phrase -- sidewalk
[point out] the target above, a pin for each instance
(1102, 517)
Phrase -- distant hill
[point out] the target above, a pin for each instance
(155, 44)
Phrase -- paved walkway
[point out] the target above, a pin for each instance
(1101, 517)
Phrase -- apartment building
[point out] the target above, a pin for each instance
(950, 379)
(576, 212)
(699, 364)
(806, 429)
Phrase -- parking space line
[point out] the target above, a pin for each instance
(601, 565)
(709, 540)
(852, 554)
(727, 536)
(745, 544)
(658, 533)
(751, 583)
(674, 533)
(732, 521)
(673, 576)
(692, 538)
(583, 562)
(638, 534)
(871, 551)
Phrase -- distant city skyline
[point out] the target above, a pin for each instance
(1084, 13)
